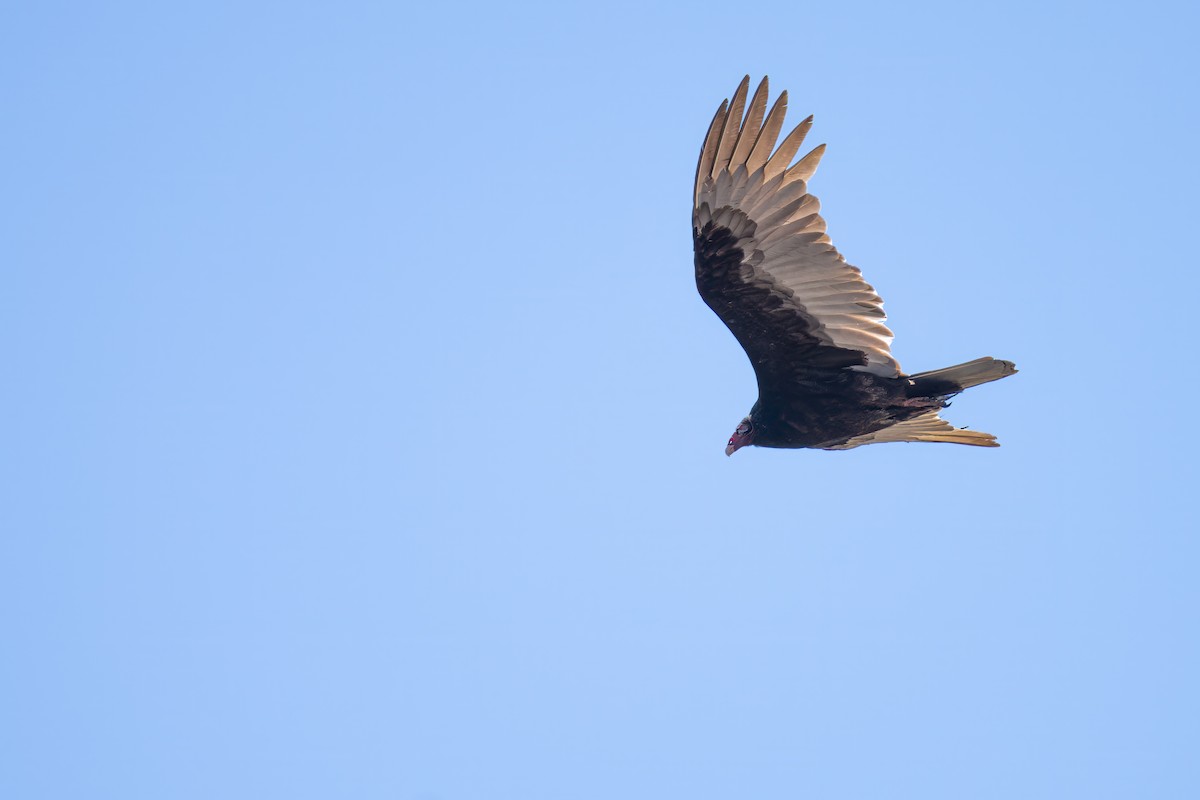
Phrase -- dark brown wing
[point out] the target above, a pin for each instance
(763, 261)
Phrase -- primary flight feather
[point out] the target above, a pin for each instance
(812, 327)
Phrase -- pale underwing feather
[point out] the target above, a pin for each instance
(748, 135)
(927, 427)
(709, 154)
(741, 182)
(732, 127)
(787, 151)
(806, 167)
(765, 141)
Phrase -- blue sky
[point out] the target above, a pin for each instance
(363, 428)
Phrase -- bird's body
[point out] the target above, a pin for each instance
(811, 326)
(834, 410)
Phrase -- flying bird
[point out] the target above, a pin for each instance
(812, 327)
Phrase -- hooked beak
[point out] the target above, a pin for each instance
(730, 449)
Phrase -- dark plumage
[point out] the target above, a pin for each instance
(812, 327)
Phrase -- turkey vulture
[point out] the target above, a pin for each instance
(812, 327)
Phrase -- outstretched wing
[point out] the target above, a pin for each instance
(763, 261)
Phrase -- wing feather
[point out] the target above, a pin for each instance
(787, 151)
(764, 262)
(732, 127)
(765, 141)
(927, 427)
(806, 167)
(709, 154)
(748, 135)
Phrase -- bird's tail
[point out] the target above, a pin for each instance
(949, 380)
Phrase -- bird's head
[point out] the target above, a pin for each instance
(743, 436)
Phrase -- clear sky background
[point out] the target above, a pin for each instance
(363, 430)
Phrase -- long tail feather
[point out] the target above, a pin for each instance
(949, 380)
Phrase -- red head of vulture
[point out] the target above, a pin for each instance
(812, 327)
